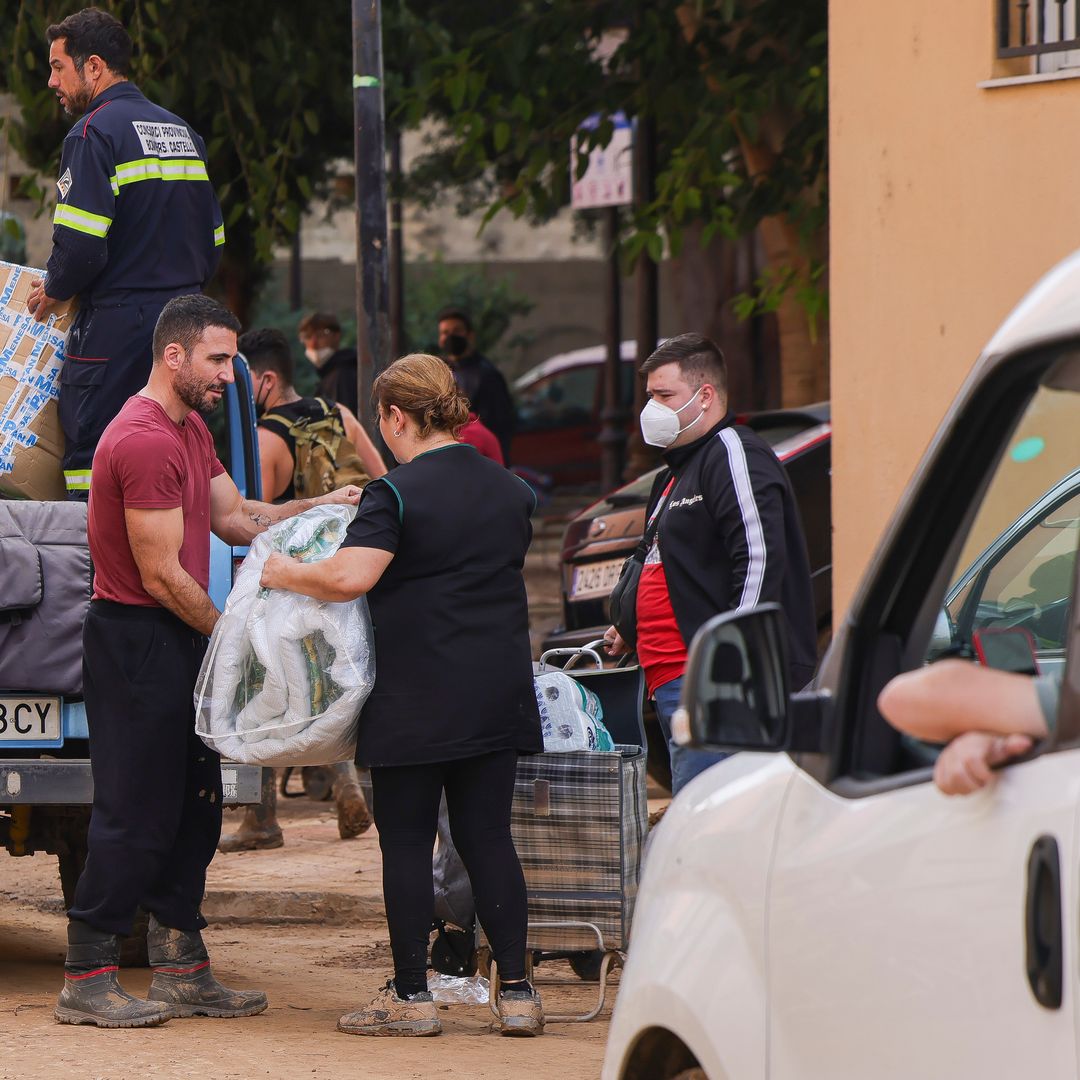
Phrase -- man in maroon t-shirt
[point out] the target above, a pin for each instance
(158, 490)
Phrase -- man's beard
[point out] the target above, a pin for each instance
(193, 392)
(79, 102)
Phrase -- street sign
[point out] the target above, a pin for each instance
(609, 179)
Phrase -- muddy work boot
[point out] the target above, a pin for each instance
(260, 828)
(520, 1012)
(91, 993)
(183, 980)
(353, 815)
(390, 1015)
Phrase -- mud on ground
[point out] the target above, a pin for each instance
(304, 923)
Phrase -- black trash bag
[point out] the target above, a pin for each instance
(453, 952)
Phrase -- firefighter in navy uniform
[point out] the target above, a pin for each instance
(137, 223)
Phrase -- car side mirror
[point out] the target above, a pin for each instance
(735, 694)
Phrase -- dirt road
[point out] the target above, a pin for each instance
(305, 924)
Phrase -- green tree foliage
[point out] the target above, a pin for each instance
(491, 301)
(736, 88)
(267, 85)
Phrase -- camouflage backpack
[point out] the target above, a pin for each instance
(324, 459)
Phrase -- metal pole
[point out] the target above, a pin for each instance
(641, 456)
(372, 291)
(612, 433)
(397, 252)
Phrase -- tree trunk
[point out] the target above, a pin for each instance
(705, 282)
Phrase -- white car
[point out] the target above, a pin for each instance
(813, 907)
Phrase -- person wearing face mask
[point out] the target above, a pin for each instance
(438, 546)
(320, 335)
(724, 532)
(136, 224)
(477, 377)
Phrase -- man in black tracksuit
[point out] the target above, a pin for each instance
(136, 223)
(724, 531)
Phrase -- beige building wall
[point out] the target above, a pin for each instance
(949, 199)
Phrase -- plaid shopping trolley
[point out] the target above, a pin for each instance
(579, 822)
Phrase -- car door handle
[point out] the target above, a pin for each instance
(1042, 921)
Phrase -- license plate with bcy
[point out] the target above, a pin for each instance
(29, 719)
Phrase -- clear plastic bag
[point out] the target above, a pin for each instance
(285, 676)
(458, 990)
(571, 717)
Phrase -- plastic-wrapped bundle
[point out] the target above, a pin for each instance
(571, 717)
(285, 676)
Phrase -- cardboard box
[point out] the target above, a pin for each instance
(31, 356)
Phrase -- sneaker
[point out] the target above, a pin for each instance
(390, 1015)
(520, 1012)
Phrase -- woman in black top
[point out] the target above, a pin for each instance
(438, 546)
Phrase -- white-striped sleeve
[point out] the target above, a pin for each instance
(751, 517)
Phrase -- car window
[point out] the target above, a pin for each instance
(1016, 567)
(988, 538)
(559, 400)
(1027, 581)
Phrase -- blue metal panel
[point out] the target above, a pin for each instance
(75, 720)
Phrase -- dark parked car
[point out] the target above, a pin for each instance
(599, 539)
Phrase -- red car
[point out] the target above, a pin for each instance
(558, 414)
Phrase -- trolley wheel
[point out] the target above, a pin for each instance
(586, 965)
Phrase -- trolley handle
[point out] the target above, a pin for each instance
(589, 650)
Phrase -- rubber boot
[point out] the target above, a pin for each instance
(183, 980)
(353, 815)
(260, 828)
(91, 993)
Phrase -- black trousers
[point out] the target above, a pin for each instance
(156, 818)
(109, 356)
(479, 792)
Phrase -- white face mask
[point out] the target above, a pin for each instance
(660, 424)
(319, 356)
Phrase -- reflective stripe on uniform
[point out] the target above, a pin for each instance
(77, 479)
(81, 220)
(219, 236)
(130, 172)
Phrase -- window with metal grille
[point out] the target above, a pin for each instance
(1048, 31)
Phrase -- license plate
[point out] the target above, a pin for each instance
(29, 719)
(595, 579)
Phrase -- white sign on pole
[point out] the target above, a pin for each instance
(609, 179)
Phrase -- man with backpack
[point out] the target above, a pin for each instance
(305, 443)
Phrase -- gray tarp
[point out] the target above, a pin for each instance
(45, 583)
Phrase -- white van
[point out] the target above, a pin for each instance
(813, 907)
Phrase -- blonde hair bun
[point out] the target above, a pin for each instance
(423, 386)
